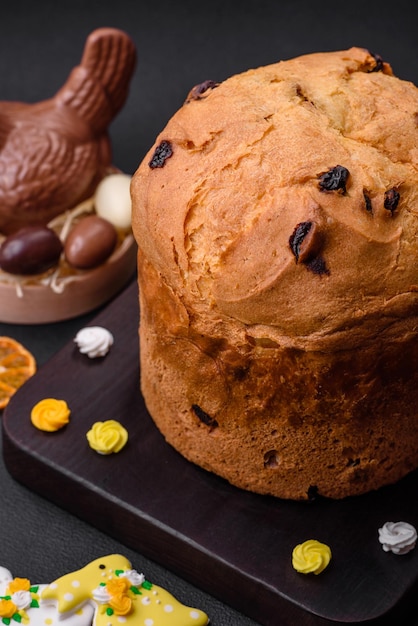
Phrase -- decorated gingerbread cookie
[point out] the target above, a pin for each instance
(106, 592)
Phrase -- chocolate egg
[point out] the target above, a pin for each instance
(90, 242)
(113, 200)
(30, 250)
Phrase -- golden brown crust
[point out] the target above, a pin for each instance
(279, 289)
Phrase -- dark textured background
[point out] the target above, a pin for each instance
(183, 43)
(179, 44)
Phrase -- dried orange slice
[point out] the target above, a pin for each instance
(17, 364)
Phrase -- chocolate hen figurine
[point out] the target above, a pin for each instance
(53, 153)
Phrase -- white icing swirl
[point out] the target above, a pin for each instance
(22, 599)
(101, 595)
(94, 341)
(133, 576)
(397, 537)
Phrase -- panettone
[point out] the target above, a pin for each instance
(277, 219)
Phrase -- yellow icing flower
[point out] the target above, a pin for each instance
(7, 608)
(117, 586)
(50, 414)
(121, 604)
(18, 584)
(107, 437)
(311, 557)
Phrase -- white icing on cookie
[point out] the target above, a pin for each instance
(5, 577)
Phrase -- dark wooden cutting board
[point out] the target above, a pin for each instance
(233, 544)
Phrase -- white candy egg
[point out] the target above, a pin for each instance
(113, 200)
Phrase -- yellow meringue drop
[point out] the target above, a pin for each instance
(311, 557)
(107, 437)
(50, 414)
